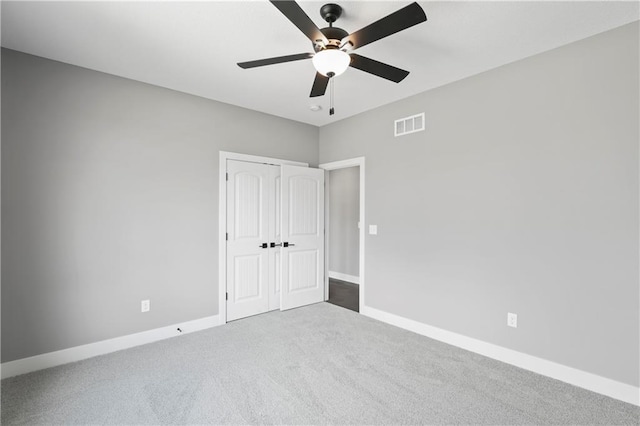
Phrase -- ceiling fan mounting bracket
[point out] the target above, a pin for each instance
(330, 12)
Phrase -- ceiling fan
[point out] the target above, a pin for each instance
(334, 46)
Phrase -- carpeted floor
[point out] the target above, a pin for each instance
(320, 364)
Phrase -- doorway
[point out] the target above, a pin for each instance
(345, 223)
(343, 207)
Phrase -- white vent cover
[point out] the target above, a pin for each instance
(404, 126)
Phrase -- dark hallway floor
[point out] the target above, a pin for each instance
(344, 294)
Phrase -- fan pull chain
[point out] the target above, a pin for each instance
(331, 84)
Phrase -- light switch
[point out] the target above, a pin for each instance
(373, 229)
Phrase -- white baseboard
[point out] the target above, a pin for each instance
(344, 277)
(77, 353)
(583, 379)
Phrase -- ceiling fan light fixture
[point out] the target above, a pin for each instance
(331, 61)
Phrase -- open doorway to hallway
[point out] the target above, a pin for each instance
(343, 199)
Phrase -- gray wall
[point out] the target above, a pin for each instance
(344, 213)
(521, 196)
(110, 196)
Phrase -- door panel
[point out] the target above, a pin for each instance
(303, 266)
(248, 273)
(303, 228)
(250, 223)
(277, 207)
(248, 205)
(303, 204)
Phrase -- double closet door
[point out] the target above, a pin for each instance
(275, 237)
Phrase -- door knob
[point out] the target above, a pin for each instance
(263, 245)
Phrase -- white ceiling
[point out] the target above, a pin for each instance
(193, 47)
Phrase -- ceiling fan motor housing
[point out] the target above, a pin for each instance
(334, 35)
(330, 12)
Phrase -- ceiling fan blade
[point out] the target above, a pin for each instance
(296, 15)
(378, 68)
(399, 20)
(319, 85)
(276, 60)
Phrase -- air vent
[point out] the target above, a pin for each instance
(407, 125)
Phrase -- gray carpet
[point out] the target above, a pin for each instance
(319, 364)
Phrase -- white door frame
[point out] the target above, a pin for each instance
(222, 218)
(335, 165)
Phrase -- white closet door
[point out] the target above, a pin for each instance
(250, 225)
(302, 201)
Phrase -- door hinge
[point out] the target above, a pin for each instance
(227, 236)
(227, 176)
(227, 296)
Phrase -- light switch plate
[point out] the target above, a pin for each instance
(373, 229)
(512, 320)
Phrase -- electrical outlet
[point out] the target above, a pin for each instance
(512, 320)
(145, 306)
(373, 229)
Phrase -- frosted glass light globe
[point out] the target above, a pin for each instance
(331, 61)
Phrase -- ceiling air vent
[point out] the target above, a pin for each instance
(404, 126)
